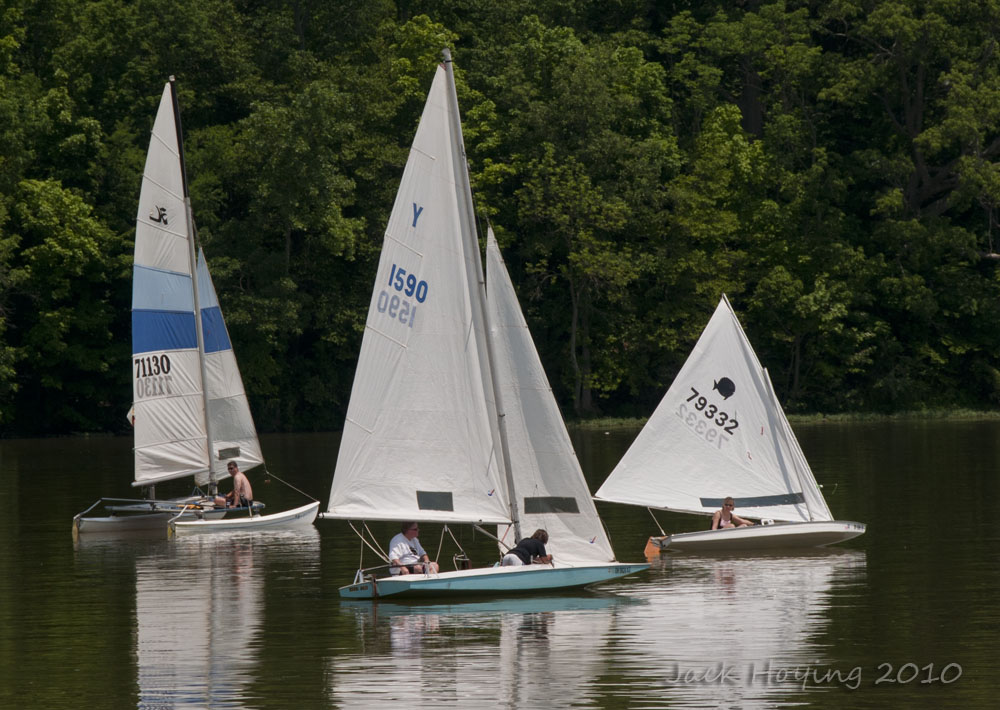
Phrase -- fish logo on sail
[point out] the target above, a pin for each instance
(159, 214)
(492, 491)
(725, 387)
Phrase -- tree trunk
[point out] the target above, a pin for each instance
(574, 322)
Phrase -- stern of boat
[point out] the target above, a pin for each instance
(654, 546)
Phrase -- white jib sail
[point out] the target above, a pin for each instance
(418, 443)
(168, 407)
(234, 436)
(719, 431)
(552, 491)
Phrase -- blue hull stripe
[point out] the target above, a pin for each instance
(156, 290)
(162, 330)
(214, 330)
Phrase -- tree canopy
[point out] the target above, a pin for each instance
(832, 167)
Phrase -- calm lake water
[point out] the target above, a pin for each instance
(904, 616)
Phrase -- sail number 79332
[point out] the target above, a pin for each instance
(706, 419)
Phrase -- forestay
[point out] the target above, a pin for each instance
(719, 431)
(172, 432)
(418, 439)
(551, 490)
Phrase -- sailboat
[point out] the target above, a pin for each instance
(190, 413)
(719, 432)
(451, 419)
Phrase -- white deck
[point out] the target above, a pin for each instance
(301, 517)
(489, 580)
(762, 537)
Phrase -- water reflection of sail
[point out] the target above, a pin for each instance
(735, 631)
(198, 611)
(522, 652)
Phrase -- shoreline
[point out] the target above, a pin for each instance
(815, 418)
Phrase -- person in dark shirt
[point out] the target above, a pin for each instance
(529, 550)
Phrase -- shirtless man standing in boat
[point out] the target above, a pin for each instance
(726, 518)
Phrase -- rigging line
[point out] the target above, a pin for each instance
(488, 534)
(268, 474)
(656, 521)
(378, 552)
(440, 543)
(455, 540)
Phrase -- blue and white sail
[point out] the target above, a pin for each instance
(234, 436)
(189, 410)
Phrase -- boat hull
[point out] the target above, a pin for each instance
(489, 580)
(301, 517)
(760, 537)
(142, 516)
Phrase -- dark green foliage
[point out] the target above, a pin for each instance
(832, 167)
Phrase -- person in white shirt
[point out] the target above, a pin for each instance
(406, 554)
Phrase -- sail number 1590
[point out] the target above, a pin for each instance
(396, 307)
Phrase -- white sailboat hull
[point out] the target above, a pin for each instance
(301, 517)
(488, 580)
(144, 515)
(760, 537)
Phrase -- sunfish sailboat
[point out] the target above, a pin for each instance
(190, 413)
(719, 431)
(426, 438)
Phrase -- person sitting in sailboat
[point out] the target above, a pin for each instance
(727, 518)
(529, 550)
(406, 554)
(241, 495)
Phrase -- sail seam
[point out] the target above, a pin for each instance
(389, 235)
(386, 336)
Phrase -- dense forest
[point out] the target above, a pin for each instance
(831, 166)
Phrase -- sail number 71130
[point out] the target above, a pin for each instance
(706, 419)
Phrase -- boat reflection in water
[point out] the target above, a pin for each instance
(199, 614)
(737, 631)
(524, 652)
(726, 631)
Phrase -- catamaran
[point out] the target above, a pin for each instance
(190, 413)
(719, 432)
(451, 419)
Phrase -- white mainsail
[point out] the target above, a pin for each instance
(552, 491)
(173, 436)
(418, 443)
(719, 431)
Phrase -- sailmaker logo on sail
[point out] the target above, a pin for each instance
(159, 214)
(725, 386)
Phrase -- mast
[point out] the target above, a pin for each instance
(467, 213)
(193, 260)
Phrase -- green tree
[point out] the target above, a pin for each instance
(577, 170)
(918, 84)
(60, 284)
